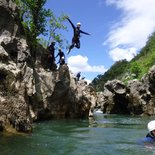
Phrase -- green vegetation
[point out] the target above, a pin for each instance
(34, 16)
(39, 21)
(136, 68)
(116, 69)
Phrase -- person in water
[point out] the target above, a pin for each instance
(149, 140)
(76, 36)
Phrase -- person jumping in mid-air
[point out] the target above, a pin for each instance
(76, 37)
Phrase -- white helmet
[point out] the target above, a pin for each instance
(78, 24)
(53, 42)
(151, 125)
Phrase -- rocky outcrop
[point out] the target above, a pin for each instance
(137, 97)
(114, 99)
(30, 91)
(13, 108)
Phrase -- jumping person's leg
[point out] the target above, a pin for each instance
(71, 46)
(77, 44)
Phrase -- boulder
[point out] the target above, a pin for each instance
(115, 98)
(136, 98)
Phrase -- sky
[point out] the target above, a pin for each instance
(118, 28)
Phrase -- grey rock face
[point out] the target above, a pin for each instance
(136, 98)
(29, 91)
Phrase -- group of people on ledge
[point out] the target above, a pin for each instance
(75, 43)
(52, 57)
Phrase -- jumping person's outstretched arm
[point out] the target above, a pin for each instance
(84, 32)
(71, 23)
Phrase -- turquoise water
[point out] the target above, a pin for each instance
(103, 135)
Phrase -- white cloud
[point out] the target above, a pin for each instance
(80, 63)
(88, 81)
(119, 54)
(132, 31)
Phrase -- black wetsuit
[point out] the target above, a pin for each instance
(51, 56)
(76, 37)
(62, 57)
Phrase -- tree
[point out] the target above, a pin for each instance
(56, 24)
(34, 16)
(35, 19)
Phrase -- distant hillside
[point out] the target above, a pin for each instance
(124, 70)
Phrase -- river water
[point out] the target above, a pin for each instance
(102, 135)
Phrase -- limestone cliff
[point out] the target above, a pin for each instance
(29, 91)
(136, 98)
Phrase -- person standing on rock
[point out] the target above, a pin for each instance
(51, 56)
(61, 57)
(78, 76)
(76, 36)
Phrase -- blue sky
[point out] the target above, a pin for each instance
(118, 28)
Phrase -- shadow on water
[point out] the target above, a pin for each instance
(103, 134)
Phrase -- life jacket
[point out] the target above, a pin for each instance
(77, 33)
(61, 54)
(150, 138)
(51, 49)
